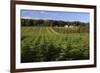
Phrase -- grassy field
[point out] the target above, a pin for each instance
(39, 44)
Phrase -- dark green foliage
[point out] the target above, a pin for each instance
(40, 22)
(39, 44)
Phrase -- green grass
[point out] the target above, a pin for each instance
(39, 44)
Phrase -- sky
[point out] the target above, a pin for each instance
(55, 15)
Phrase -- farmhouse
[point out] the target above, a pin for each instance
(66, 26)
(69, 26)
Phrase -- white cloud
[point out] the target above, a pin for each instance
(42, 12)
(26, 17)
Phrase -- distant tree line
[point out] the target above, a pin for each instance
(40, 22)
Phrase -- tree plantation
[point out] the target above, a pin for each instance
(52, 40)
